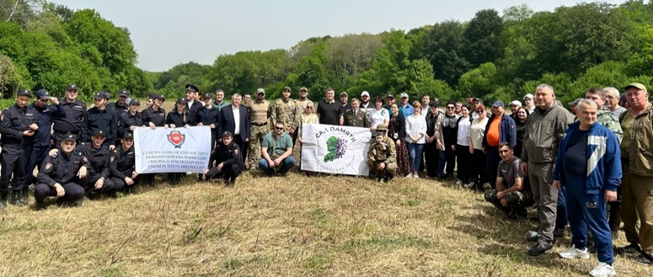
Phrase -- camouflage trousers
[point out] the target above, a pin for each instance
(387, 172)
(254, 152)
(517, 202)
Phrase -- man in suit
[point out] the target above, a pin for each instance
(234, 118)
(356, 116)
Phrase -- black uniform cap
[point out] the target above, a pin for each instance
(191, 87)
(72, 87)
(24, 92)
(123, 92)
(99, 132)
(128, 135)
(102, 95)
(69, 136)
(42, 94)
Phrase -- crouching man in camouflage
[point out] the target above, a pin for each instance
(513, 193)
(381, 156)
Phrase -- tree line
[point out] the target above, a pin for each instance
(493, 55)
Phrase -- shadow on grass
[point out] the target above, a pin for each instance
(503, 237)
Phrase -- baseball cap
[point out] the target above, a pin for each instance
(181, 100)
(515, 103)
(124, 93)
(24, 92)
(475, 99)
(636, 85)
(99, 132)
(498, 104)
(135, 102)
(69, 136)
(159, 96)
(434, 104)
(42, 94)
(528, 96)
(303, 89)
(403, 95)
(575, 102)
(101, 95)
(207, 95)
(128, 135)
(365, 93)
(260, 90)
(390, 96)
(344, 93)
(227, 134)
(72, 87)
(381, 127)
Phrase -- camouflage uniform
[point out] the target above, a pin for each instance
(517, 202)
(302, 104)
(374, 153)
(606, 118)
(359, 120)
(257, 129)
(286, 111)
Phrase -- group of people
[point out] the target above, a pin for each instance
(571, 165)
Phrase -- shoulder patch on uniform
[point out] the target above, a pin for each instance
(2, 117)
(85, 159)
(48, 166)
(236, 151)
(112, 158)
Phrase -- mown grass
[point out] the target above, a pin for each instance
(281, 226)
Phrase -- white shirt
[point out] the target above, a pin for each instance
(236, 119)
(416, 126)
(377, 117)
(463, 131)
(424, 111)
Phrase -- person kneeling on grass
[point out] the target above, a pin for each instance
(60, 176)
(122, 165)
(381, 156)
(516, 195)
(229, 161)
(276, 149)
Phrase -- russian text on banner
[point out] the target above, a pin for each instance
(335, 149)
(172, 150)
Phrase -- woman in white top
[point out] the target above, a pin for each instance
(462, 147)
(479, 159)
(378, 115)
(415, 138)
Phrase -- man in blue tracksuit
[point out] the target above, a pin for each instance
(589, 166)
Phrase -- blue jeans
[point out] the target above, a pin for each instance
(442, 160)
(415, 155)
(286, 165)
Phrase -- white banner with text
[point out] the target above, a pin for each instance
(335, 149)
(172, 150)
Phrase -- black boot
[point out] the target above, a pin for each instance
(24, 197)
(15, 198)
(3, 201)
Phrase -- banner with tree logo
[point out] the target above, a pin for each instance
(335, 149)
(172, 150)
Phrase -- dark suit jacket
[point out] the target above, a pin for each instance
(197, 105)
(227, 123)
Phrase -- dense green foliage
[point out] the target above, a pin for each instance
(44, 45)
(492, 56)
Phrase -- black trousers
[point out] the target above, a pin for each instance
(432, 159)
(14, 161)
(36, 157)
(228, 172)
(73, 191)
(451, 158)
(243, 146)
(90, 181)
(464, 163)
(614, 219)
(493, 160)
(479, 169)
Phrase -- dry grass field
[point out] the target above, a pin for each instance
(281, 226)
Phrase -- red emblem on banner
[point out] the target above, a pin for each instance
(176, 138)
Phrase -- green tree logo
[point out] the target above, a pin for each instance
(336, 147)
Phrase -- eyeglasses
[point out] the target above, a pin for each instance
(449, 107)
(279, 128)
(309, 107)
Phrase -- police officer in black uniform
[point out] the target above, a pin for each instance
(75, 119)
(122, 164)
(131, 119)
(229, 161)
(42, 137)
(191, 104)
(98, 154)
(18, 124)
(61, 175)
(208, 115)
(154, 116)
(119, 108)
(101, 118)
(177, 118)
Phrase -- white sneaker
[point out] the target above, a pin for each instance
(603, 270)
(573, 253)
(416, 175)
(410, 175)
(459, 182)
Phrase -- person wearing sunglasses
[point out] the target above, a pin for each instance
(259, 116)
(276, 151)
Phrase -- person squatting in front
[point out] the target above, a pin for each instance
(513, 193)
(61, 176)
(122, 165)
(228, 159)
(381, 156)
(589, 166)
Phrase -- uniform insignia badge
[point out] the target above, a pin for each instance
(112, 158)
(48, 166)
(85, 159)
(2, 117)
(176, 138)
(236, 151)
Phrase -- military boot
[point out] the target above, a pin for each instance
(15, 198)
(24, 196)
(3, 201)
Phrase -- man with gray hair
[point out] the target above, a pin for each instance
(234, 118)
(612, 101)
(545, 130)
